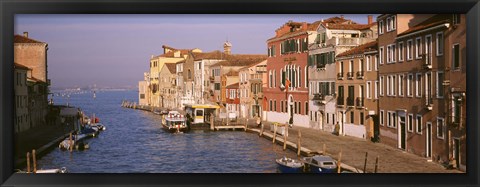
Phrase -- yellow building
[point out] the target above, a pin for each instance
(170, 55)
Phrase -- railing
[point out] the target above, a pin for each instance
(319, 98)
(340, 76)
(350, 75)
(350, 101)
(360, 74)
(360, 102)
(427, 61)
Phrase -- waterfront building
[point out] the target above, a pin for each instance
(232, 99)
(22, 119)
(144, 90)
(250, 87)
(181, 99)
(167, 86)
(360, 101)
(170, 55)
(202, 89)
(32, 53)
(230, 63)
(286, 63)
(422, 85)
(333, 36)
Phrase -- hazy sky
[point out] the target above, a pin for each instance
(114, 50)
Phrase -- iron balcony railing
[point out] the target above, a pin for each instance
(350, 101)
(340, 101)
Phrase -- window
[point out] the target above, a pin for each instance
(400, 85)
(400, 51)
(394, 119)
(419, 124)
(369, 65)
(389, 119)
(456, 18)
(376, 62)
(389, 27)
(409, 49)
(381, 117)
(381, 86)
(440, 128)
(352, 117)
(376, 90)
(306, 107)
(428, 49)
(388, 85)
(456, 109)
(409, 85)
(440, 78)
(271, 105)
(361, 118)
(439, 43)
(392, 92)
(410, 123)
(281, 106)
(369, 87)
(418, 48)
(418, 85)
(275, 106)
(456, 56)
(380, 27)
(381, 55)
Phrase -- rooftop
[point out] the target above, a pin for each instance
(172, 67)
(23, 39)
(241, 60)
(430, 22)
(20, 66)
(233, 86)
(370, 46)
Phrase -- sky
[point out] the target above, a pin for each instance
(114, 50)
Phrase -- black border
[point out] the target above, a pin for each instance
(8, 8)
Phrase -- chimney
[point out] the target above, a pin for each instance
(370, 19)
(25, 34)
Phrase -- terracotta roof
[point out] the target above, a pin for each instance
(241, 60)
(233, 86)
(209, 55)
(20, 66)
(232, 73)
(181, 61)
(33, 79)
(171, 53)
(22, 39)
(430, 22)
(337, 19)
(350, 26)
(172, 67)
(370, 46)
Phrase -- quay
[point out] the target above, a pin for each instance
(357, 154)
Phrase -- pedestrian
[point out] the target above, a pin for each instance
(259, 121)
(336, 131)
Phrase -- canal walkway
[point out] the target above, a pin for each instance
(353, 149)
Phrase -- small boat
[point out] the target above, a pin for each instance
(98, 127)
(289, 165)
(174, 122)
(65, 144)
(61, 170)
(320, 164)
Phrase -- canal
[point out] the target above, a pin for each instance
(134, 142)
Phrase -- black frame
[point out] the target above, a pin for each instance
(9, 8)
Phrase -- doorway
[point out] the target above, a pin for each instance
(429, 140)
(456, 151)
(402, 132)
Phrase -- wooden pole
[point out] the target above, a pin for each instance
(365, 164)
(339, 163)
(28, 162)
(211, 123)
(34, 161)
(70, 143)
(299, 146)
(274, 132)
(376, 164)
(246, 122)
(285, 139)
(324, 150)
(261, 131)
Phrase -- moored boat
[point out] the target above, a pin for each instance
(289, 165)
(174, 122)
(320, 164)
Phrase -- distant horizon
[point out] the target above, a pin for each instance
(114, 50)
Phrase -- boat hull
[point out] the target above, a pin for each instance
(316, 169)
(286, 168)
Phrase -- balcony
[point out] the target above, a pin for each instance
(360, 102)
(350, 75)
(340, 102)
(319, 98)
(257, 76)
(340, 76)
(360, 74)
(427, 62)
(350, 102)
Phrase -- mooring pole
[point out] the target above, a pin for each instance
(376, 164)
(365, 164)
(339, 163)
(285, 139)
(28, 162)
(299, 146)
(34, 161)
(274, 132)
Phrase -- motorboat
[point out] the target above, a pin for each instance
(289, 165)
(320, 164)
(174, 122)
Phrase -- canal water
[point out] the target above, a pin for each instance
(134, 142)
